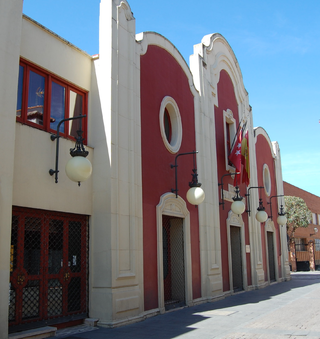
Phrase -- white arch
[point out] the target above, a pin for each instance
(176, 207)
(236, 220)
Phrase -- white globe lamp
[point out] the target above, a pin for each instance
(78, 169)
(238, 206)
(195, 195)
(261, 215)
(282, 219)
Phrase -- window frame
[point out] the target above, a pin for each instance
(314, 218)
(49, 78)
(169, 104)
(266, 176)
(230, 130)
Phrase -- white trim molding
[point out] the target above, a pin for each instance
(269, 227)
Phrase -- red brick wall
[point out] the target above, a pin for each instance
(313, 203)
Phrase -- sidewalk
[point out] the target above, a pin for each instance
(282, 310)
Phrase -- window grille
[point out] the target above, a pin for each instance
(300, 244)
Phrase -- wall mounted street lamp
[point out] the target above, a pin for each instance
(195, 194)
(261, 215)
(281, 214)
(237, 207)
(315, 229)
(282, 219)
(78, 168)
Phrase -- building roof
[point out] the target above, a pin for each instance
(312, 201)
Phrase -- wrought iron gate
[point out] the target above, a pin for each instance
(48, 268)
(272, 274)
(173, 262)
(236, 258)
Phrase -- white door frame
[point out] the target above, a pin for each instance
(175, 207)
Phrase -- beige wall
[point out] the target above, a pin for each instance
(116, 264)
(56, 55)
(34, 151)
(33, 186)
(10, 28)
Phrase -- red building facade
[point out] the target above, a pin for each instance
(154, 126)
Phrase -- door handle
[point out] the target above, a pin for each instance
(20, 279)
(66, 276)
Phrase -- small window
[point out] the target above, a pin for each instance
(167, 125)
(20, 87)
(170, 124)
(266, 179)
(57, 109)
(43, 101)
(229, 134)
(300, 244)
(36, 91)
(314, 218)
(75, 110)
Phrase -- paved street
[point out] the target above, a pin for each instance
(285, 310)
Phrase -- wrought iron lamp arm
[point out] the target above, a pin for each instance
(221, 184)
(269, 203)
(175, 166)
(248, 198)
(57, 136)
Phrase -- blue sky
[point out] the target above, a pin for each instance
(276, 44)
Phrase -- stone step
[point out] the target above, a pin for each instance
(37, 333)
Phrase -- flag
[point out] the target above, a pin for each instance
(245, 159)
(235, 157)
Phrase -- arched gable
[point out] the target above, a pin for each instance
(146, 39)
(217, 54)
(261, 131)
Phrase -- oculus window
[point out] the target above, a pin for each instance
(170, 124)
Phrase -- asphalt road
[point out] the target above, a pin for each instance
(282, 310)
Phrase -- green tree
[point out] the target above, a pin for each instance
(298, 214)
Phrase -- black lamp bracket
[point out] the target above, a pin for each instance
(194, 182)
(248, 197)
(269, 203)
(281, 213)
(74, 151)
(221, 184)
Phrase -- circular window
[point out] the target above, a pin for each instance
(266, 179)
(170, 124)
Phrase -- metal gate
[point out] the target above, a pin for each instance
(236, 258)
(48, 268)
(272, 273)
(173, 262)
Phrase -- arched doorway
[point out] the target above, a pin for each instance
(174, 253)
